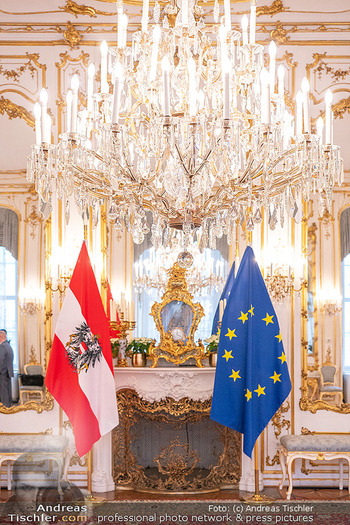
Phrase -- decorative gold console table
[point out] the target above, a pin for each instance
(165, 441)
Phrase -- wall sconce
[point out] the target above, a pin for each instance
(329, 301)
(283, 271)
(31, 300)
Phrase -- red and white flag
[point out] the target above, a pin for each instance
(80, 370)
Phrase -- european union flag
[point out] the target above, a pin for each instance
(225, 294)
(252, 378)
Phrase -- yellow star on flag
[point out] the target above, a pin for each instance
(283, 358)
(219, 330)
(260, 390)
(279, 337)
(235, 375)
(251, 311)
(268, 319)
(248, 395)
(228, 355)
(231, 333)
(244, 317)
(275, 377)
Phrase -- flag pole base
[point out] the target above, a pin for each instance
(257, 498)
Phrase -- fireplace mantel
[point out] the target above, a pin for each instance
(154, 384)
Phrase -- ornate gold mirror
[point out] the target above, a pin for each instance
(177, 318)
(318, 360)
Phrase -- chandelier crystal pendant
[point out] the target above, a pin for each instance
(196, 131)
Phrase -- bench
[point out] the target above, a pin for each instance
(314, 447)
(48, 447)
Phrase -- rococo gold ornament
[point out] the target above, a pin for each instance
(177, 318)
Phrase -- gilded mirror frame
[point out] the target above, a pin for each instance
(48, 402)
(169, 348)
(308, 382)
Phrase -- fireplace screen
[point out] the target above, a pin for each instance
(173, 446)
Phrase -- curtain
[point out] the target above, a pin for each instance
(9, 231)
(345, 233)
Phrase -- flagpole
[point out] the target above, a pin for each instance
(89, 471)
(257, 497)
(256, 469)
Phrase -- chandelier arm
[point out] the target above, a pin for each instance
(181, 159)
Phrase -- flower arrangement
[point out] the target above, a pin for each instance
(115, 347)
(213, 343)
(139, 345)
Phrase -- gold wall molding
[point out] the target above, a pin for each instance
(337, 74)
(279, 34)
(34, 219)
(76, 460)
(77, 9)
(274, 9)
(72, 36)
(278, 421)
(16, 73)
(15, 111)
(274, 461)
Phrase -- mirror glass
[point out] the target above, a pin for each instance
(177, 318)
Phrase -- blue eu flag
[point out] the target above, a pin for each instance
(252, 378)
(225, 294)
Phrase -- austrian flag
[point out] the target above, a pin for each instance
(80, 371)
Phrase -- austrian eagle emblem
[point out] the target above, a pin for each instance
(83, 348)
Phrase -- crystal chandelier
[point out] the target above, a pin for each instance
(203, 275)
(189, 124)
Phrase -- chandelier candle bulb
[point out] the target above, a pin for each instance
(104, 54)
(227, 9)
(332, 120)
(118, 84)
(166, 90)
(145, 9)
(272, 70)
(265, 97)
(154, 56)
(244, 25)
(184, 11)
(281, 74)
(226, 108)
(37, 115)
(69, 99)
(43, 105)
(74, 87)
(48, 125)
(221, 310)
(252, 25)
(319, 127)
(120, 24)
(305, 88)
(328, 101)
(299, 113)
(125, 21)
(191, 66)
(90, 90)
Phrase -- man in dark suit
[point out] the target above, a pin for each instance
(6, 369)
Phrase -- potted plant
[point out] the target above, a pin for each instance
(138, 350)
(212, 348)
